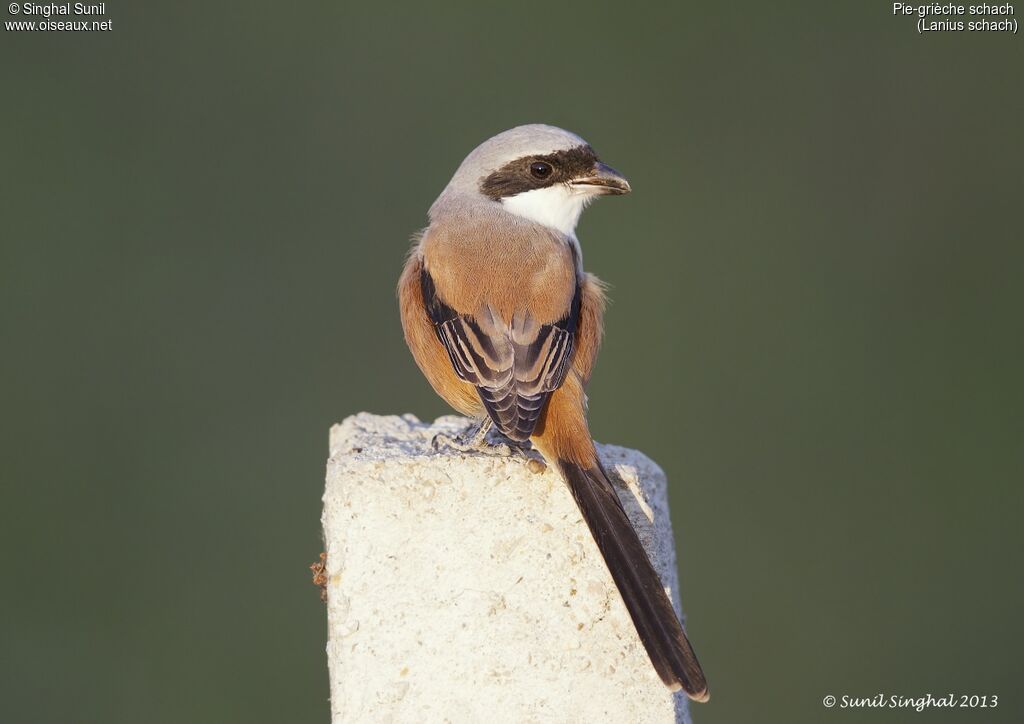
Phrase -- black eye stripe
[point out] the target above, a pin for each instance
(516, 177)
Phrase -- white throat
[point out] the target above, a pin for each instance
(557, 207)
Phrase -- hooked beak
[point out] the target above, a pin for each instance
(603, 181)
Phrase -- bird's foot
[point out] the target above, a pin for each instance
(475, 439)
(487, 441)
(525, 452)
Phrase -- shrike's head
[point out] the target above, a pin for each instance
(539, 172)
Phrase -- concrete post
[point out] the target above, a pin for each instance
(467, 588)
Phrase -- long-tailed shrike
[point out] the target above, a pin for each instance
(505, 324)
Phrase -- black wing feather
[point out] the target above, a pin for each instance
(514, 364)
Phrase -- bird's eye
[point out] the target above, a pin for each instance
(539, 169)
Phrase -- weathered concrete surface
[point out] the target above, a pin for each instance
(467, 588)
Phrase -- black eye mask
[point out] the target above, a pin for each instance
(515, 177)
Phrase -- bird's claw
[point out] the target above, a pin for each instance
(476, 441)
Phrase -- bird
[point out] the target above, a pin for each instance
(506, 325)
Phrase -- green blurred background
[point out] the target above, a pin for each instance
(205, 212)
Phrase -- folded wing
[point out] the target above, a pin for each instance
(514, 364)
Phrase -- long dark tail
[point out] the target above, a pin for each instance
(638, 582)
